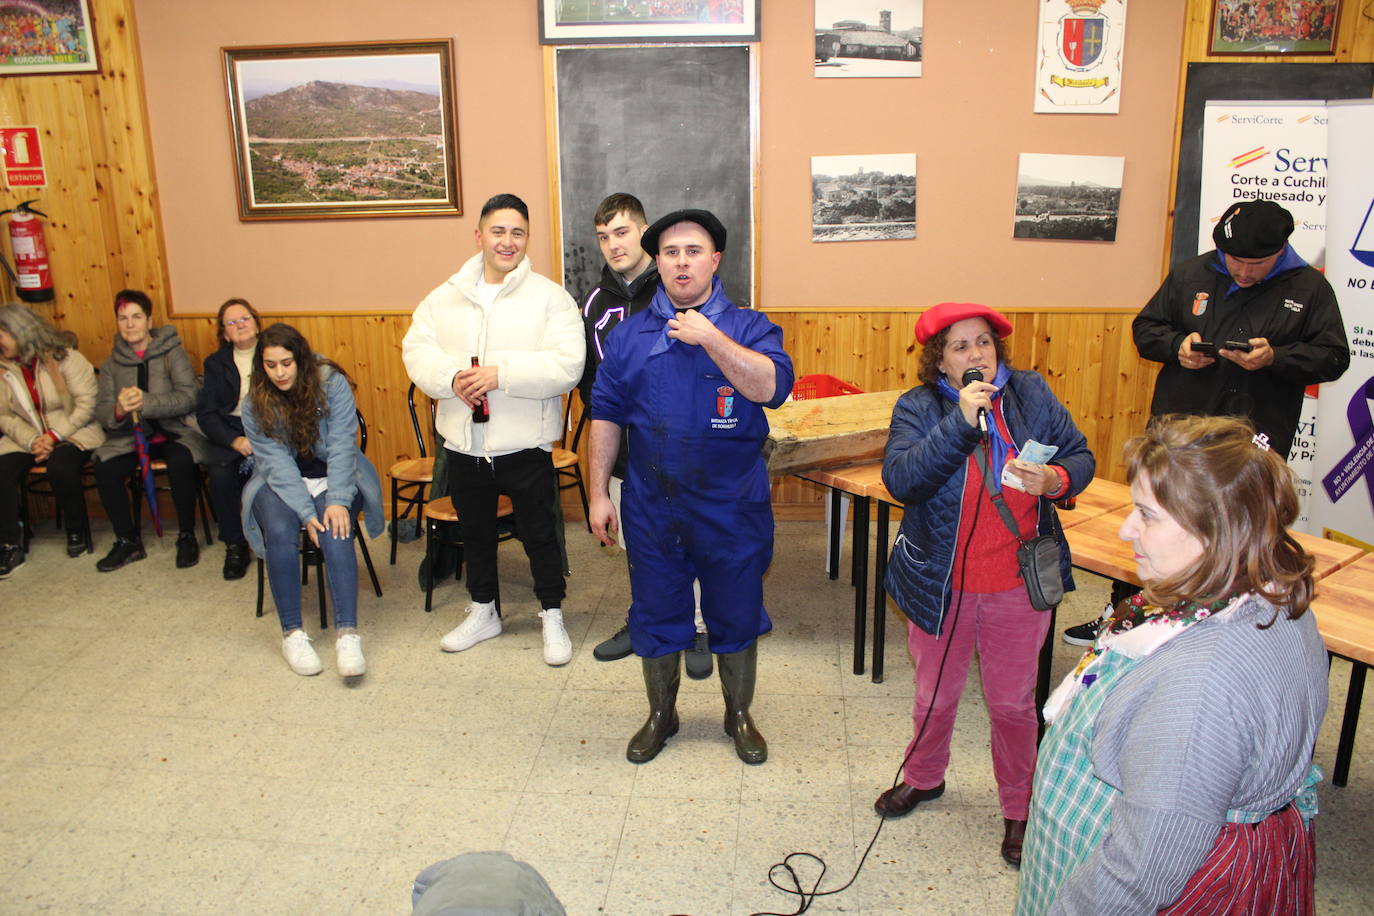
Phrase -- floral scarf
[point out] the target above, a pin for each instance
(1136, 630)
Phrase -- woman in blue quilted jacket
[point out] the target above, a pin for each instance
(953, 570)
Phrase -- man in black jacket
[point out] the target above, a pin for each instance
(629, 279)
(1256, 291)
(1253, 291)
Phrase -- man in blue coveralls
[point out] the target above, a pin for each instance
(689, 377)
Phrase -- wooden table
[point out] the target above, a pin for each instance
(1344, 608)
(1100, 498)
(864, 483)
(855, 481)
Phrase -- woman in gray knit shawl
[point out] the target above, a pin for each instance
(1176, 775)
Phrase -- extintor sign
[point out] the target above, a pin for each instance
(23, 157)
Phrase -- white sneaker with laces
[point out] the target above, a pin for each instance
(482, 623)
(557, 645)
(348, 655)
(299, 654)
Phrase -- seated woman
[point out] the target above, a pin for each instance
(308, 473)
(147, 380)
(47, 419)
(954, 570)
(218, 410)
(1176, 775)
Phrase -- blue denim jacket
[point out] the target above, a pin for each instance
(274, 464)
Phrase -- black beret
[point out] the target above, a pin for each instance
(703, 218)
(1253, 229)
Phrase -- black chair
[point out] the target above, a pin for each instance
(411, 477)
(137, 498)
(441, 511)
(37, 483)
(311, 555)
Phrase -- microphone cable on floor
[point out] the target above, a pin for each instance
(808, 897)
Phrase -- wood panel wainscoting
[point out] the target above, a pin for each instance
(1087, 357)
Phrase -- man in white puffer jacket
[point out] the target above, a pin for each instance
(498, 340)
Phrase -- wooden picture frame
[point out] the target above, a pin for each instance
(1237, 30)
(564, 22)
(62, 41)
(363, 129)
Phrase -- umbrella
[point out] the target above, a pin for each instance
(145, 471)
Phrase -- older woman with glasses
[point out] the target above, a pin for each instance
(219, 410)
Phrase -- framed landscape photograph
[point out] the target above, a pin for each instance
(863, 198)
(348, 130)
(566, 22)
(1291, 27)
(1068, 197)
(46, 37)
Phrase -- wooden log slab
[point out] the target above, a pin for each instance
(828, 432)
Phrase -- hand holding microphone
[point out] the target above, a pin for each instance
(975, 400)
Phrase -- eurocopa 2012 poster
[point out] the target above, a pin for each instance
(46, 36)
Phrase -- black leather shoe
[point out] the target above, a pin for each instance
(615, 648)
(1012, 839)
(11, 558)
(76, 543)
(123, 553)
(188, 550)
(902, 800)
(697, 660)
(236, 559)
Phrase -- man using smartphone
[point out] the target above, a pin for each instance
(1241, 331)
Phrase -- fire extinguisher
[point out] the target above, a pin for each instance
(31, 273)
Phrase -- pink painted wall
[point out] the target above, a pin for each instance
(966, 119)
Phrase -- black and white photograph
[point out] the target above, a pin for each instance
(863, 198)
(1068, 197)
(869, 38)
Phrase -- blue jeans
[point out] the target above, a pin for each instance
(281, 533)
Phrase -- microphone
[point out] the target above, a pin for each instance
(976, 375)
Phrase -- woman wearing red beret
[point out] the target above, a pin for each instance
(953, 570)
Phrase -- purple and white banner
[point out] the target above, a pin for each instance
(1343, 498)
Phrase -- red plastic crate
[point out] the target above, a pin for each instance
(821, 386)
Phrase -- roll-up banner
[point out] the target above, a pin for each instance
(1343, 497)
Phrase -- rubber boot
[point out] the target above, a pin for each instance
(738, 671)
(661, 679)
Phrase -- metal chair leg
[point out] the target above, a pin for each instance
(429, 565)
(367, 558)
(261, 577)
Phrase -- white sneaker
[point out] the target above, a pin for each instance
(299, 654)
(348, 655)
(482, 623)
(557, 645)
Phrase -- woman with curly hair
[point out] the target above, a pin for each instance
(309, 473)
(1176, 775)
(47, 419)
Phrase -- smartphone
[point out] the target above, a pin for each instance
(1242, 345)
(1204, 348)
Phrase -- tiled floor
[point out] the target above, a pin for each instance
(157, 756)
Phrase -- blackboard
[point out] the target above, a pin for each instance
(1245, 82)
(671, 125)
